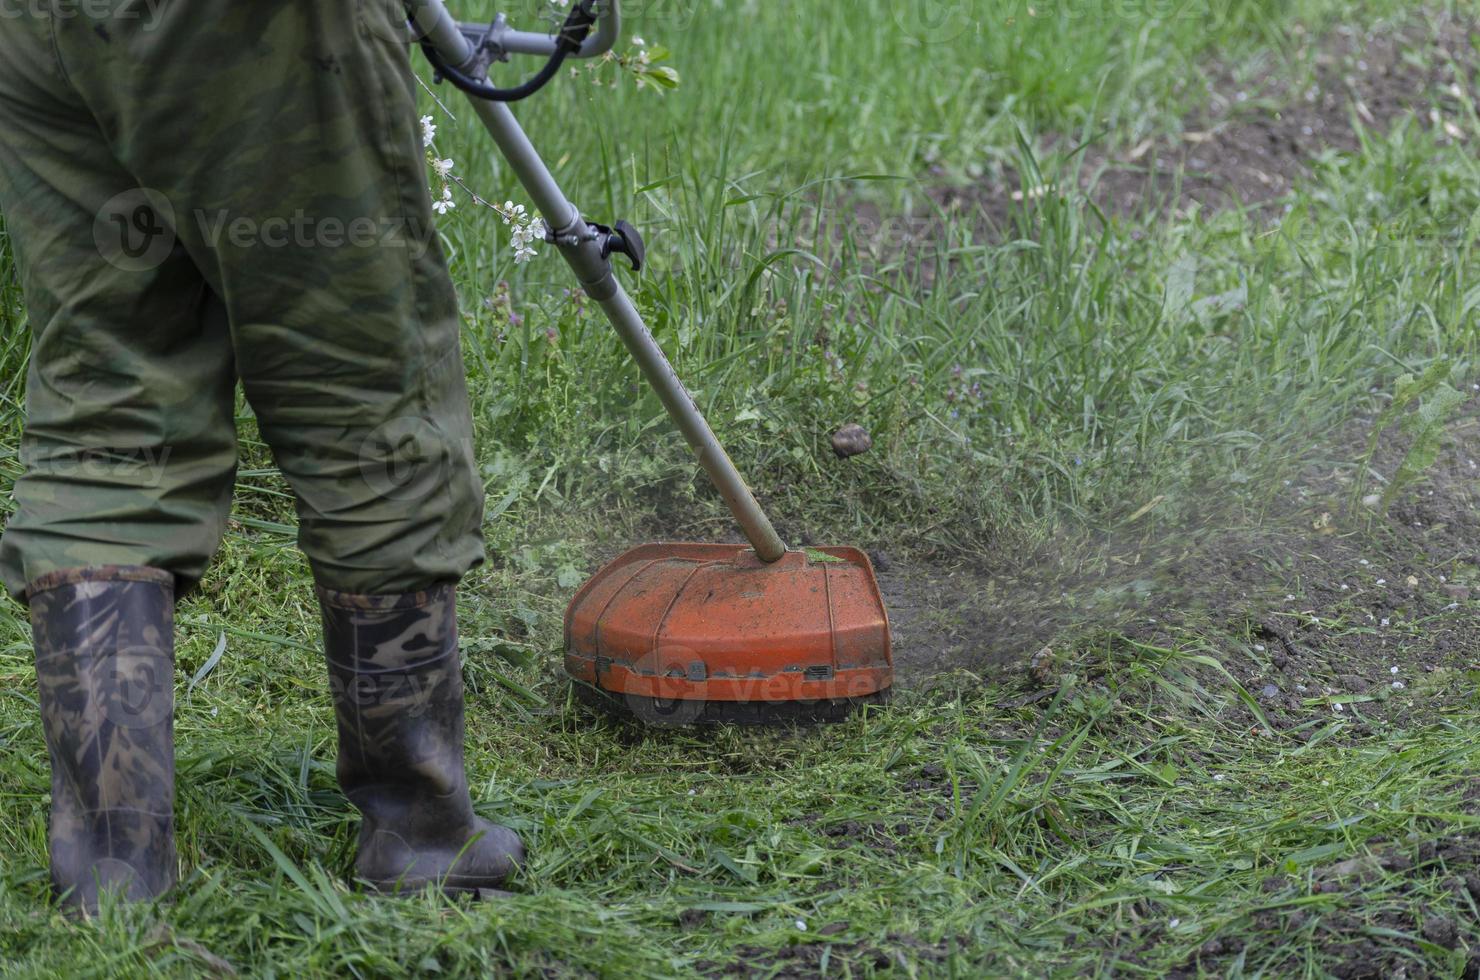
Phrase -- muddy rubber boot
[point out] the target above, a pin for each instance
(396, 679)
(105, 668)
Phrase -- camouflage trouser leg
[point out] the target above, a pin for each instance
(206, 191)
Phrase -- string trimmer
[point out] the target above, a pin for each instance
(676, 633)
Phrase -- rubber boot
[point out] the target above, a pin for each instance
(396, 678)
(105, 668)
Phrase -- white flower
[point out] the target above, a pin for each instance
(445, 203)
(638, 42)
(442, 167)
(512, 213)
(524, 233)
(1382, 581)
(1392, 670)
(428, 130)
(801, 926)
(1398, 685)
(522, 238)
(534, 231)
(1385, 620)
(1338, 707)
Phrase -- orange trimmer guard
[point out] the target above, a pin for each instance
(683, 633)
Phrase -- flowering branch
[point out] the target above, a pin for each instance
(526, 228)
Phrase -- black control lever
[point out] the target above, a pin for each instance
(622, 238)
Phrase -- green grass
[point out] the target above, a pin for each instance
(1116, 826)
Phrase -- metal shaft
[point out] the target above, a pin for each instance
(582, 251)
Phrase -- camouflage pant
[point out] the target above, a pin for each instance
(205, 191)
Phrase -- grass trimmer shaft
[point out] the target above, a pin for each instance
(677, 633)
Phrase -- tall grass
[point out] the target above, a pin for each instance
(1063, 369)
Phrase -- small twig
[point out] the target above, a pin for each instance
(478, 200)
(440, 104)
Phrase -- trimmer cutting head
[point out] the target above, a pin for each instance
(687, 633)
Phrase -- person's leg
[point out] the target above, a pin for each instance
(129, 454)
(129, 448)
(305, 202)
(284, 134)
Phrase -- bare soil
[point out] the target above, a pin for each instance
(1259, 135)
(1262, 131)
